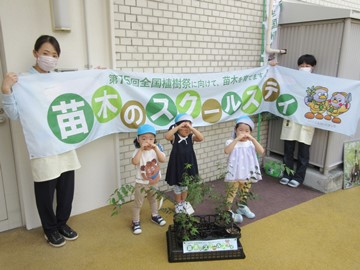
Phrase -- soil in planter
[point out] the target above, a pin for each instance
(208, 228)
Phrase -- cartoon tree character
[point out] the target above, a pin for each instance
(151, 171)
(338, 104)
(316, 100)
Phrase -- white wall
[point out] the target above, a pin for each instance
(349, 4)
(22, 22)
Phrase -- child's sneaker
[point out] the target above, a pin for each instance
(244, 210)
(237, 218)
(136, 227)
(158, 220)
(180, 208)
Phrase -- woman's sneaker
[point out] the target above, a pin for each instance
(293, 183)
(284, 181)
(136, 227)
(158, 220)
(55, 239)
(245, 211)
(68, 233)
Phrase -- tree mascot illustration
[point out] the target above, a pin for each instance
(316, 100)
(336, 105)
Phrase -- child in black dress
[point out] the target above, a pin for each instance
(182, 136)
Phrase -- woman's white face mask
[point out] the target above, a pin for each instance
(307, 69)
(46, 63)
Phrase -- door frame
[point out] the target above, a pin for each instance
(8, 180)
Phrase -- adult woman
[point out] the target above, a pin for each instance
(54, 173)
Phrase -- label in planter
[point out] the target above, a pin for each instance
(210, 245)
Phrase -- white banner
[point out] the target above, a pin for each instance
(63, 111)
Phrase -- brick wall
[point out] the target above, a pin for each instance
(187, 36)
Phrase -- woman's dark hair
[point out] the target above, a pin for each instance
(137, 144)
(307, 59)
(45, 38)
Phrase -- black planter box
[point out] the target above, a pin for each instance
(207, 231)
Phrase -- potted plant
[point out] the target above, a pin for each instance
(187, 225)
(203, 237)
(190, 227)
